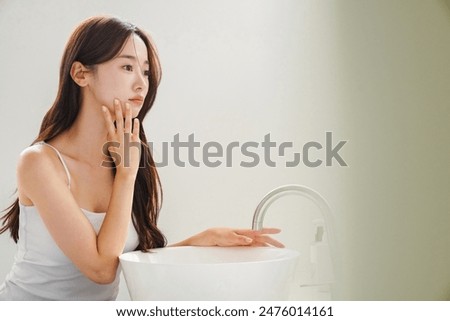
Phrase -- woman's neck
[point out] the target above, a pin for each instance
(85, 140)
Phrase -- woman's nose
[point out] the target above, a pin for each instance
(141, 82)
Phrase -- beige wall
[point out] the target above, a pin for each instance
(394, 83)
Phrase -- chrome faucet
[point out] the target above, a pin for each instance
(272, 196)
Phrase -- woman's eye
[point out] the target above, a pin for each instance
(128, 67)
(146, 73)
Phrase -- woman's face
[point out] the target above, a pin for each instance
(124, 77)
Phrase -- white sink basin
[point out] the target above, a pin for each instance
(209, 273)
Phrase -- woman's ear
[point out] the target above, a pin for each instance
(78, 72)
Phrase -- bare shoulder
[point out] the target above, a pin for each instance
(37, 165)
(35, 157)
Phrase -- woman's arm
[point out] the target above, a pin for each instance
(96, 256)
(222, 236)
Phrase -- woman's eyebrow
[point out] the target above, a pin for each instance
(132, 58)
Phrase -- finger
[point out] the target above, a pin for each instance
(243, 240)
(136, 127)
(270, 230)
(268, 240)
(127, 118)
(233, 239)
(259, 244)
(252, 233)
(119, 115)
(108, 121)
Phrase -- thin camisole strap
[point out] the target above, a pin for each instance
(61, 159)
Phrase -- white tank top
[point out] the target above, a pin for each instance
(41, 271)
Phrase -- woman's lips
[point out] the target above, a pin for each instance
(136, 101)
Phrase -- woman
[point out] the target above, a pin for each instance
(88, 189)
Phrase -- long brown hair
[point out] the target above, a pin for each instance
(95, 41)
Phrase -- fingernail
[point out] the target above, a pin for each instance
(104, 109)
(248, 240)
(116, 101)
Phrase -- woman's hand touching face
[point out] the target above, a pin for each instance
(124, 144)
